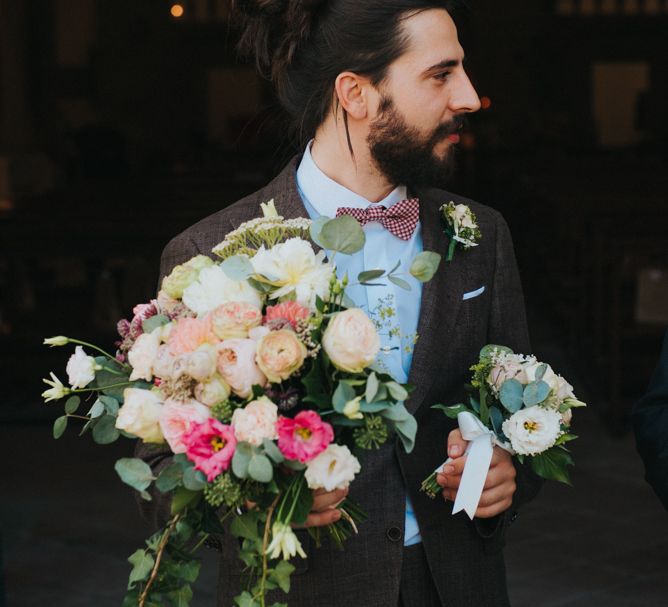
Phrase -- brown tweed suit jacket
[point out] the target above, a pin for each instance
(465, 558)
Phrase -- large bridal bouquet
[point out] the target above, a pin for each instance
(519, 404)
(256, 376)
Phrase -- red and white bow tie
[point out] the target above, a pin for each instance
(400, 219)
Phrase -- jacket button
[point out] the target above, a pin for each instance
(393, 534)
(513, 517)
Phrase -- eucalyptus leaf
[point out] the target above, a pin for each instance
(397, 391)
(511, 395)
(72, 405)
(535, 393)
(425, 265)
(272, 451)
(111, 405)
(372, 385)
(183, 498)
(400, 282)
(496, 417)
(260, 469)
(343, 234)
(237, 267)
(153, 322)
(451, 411)
(105, 431)
(316, 229)
(169, 478)
(97, 409)
(540, 371)
(368, 275)
(374, 407)
(343, 393)
(487, 350)
(134, 472)
(240, 461)
(193, 479)
(59, 426)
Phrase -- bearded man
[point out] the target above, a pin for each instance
(378, 91)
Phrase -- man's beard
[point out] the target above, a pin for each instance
(405, 155)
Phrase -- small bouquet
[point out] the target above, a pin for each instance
(255, 375)
(461, 226)
(522, 406)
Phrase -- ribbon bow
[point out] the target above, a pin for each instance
(479, 456)
(400, 219)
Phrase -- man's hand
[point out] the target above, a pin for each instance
(499, 488)
(323, 512)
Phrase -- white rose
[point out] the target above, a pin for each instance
(295, 268)
(334, 468)
(533, 430)
(143, 353)
(81, 368)
(214, 288)
(163, 365)
(212, 391)
(256, 421)
(140, 413)
(351, 340)
(200, 364)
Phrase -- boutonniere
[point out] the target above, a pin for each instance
(461, 226)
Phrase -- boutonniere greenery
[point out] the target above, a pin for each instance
(461, 226)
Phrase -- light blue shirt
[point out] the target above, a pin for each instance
(382, 250)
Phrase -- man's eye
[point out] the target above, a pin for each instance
(442, 76)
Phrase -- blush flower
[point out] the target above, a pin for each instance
(351, 341)
(288, 310)
(303, 437)
(280, 354)
(210, 446)
(256, 421)
(188, 334)
(234, 319)
(236, 364)
(140, 413)
(177, 419)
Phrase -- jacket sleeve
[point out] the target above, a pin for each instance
(157, 511)
(650, 423)
(508, 327)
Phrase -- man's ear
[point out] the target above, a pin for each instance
(353, 92)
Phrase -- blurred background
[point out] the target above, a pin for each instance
(123, 122)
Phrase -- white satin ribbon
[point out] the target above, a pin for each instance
(478, 458)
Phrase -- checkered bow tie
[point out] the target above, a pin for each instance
(400, 219)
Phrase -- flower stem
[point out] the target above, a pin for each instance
(100, 350)
(100, 388)
(430, 486)
(265, 542)
(158, 558)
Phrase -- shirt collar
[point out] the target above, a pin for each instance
(326, 195)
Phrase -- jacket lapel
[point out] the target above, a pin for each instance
(441, 298)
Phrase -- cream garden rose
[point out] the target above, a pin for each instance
(237, 366)
(234, 319)
(280, 354)
(143, 354)
(351, 341)
(200, 364)
(184, 275)
(256, 421)
(533, 430)
(214, 288)
(140, 414)
(212, 391)
(335, 468)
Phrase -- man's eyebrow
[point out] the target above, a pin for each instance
(444, 65)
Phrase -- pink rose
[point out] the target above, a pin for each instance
(177, 419)
(188, 334)
(210, 445)
(234, 319)
(303, 437)
(351, 341)
(236, 363)
(280, 354)
(256, 421)
(288, 310)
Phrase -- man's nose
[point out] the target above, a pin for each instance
(464, 97)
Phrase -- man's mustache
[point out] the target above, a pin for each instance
(449, 128)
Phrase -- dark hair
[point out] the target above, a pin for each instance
(303, 45)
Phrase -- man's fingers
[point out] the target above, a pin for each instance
(490, 511)
(320, 519)
(326, 500)
(456, 444)
(498, 494)
(455, 467)
(499, 475)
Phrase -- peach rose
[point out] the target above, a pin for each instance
(236, 364)
(177, 418)
(280, 354)
(288, 310)
(256, 421)
(188, 334)
(351, 341)
(234, 319)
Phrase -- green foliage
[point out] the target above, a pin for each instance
(372, 385)
(59, 427)
(373, 434)
(224, 489)
(396, 390)
(368, 276)
(400, 282)
(553, 464)
(452, 411)
(169, 478)
(105, 431)
(272, 451)
(496, 417)
(72, 405)
(237, 267)
(223, 411)
(260, 468)
(344, 392)
(343, 234)
(134, 472)
(425, 265)
(246, 526)
(245, 599)
(241, 459)
(142, 563)
(193, 479)
(111, 405)
(183, 498)
(511, 395)
(486, 351)
(404, 425)
(317, 385)
(97, 409)
(535, 393)
(280, 575)
(565, 438)
(152, 323)
(316, 229)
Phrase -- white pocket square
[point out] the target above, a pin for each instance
(472, 294)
